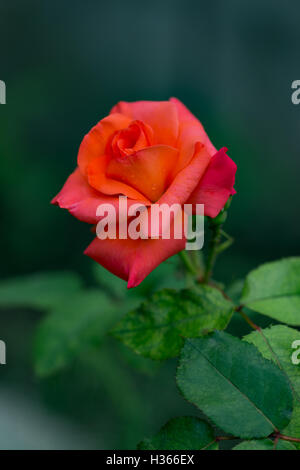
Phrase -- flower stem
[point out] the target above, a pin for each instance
(286, 438)
(213, 252)
(247, 319)
(187, 262)
(215, 246)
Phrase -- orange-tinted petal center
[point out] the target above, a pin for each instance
(128, 141)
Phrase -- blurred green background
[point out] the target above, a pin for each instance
(65, 65)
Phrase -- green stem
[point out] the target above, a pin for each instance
(229, 241)
(247, 319)
(187, 262)
(197, 259)
(287, 438)
(213, 251)
(215, 246)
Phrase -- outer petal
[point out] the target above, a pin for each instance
(183, 112)
(162, 116)
(133, 260)
(82, 201)
(190, 132)
(216, 185)
(94, 143)
(183, 185)
(186, 181)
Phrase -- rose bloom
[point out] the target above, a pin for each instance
(151, 152)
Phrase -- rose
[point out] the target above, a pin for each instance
(151, 152)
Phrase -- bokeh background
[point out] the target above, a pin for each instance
(65, 65)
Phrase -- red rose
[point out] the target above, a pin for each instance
(151, 152)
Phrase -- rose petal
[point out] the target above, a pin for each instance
(184, 113)
(190, 132)
(94, 143)
(98, 180)
(82, 201)
(132, 260)
(148, 170)
(160, 115)
(136, 136)
(216, 185)
(187, 180)
(182, 186)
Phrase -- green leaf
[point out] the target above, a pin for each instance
(184, 433)
(273, 289)
(156, 329)
(265, 444)
(79, 322)
(41, 291)
(276, 344)
(234, 385)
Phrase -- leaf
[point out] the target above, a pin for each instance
(41, 291)
(183, 433)
(275, 344)
(80, 321)
(273, 289)
(265, 444)
(156, 329)
(229, 380)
